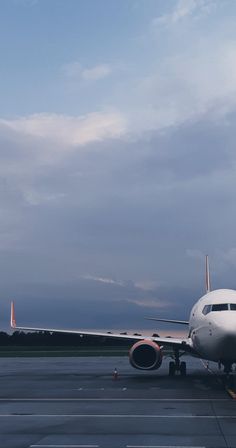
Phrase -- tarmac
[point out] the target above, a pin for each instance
(77, 403)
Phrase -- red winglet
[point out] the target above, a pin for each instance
(13, 320)
(208, 281)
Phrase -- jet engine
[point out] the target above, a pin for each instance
(145, 355)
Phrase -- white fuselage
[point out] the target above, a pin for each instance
(212, 326)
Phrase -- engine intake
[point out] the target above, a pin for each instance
(145, 355)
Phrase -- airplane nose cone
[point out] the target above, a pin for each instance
(226, 323)
(224, 333)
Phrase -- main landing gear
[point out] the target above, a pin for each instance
(229, 379)
(176, 365)
(227, 368)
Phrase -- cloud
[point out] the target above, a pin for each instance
(123, 209)
(36, 198)
(185, 87)
(108, 281)
(98, 72)
(138, 191)
(147, 285)
(184, 9)
(150, 303)
(196, 77)
(74, 70)
(69, 131)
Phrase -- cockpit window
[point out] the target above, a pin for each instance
(220, 307)
(206, 309)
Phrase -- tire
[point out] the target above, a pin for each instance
(172, 368)
(183, 368)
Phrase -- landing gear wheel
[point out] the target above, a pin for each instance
(230, 381)
(182, 368)
(172, 368)
(227, 368)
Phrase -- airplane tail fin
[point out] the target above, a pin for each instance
(13, 320)
(208, 280)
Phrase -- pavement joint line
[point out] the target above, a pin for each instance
(174, 416)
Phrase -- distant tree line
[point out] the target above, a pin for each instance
(46, 338)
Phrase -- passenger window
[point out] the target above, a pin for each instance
(220, 307)
(233, 306)
(206, 309)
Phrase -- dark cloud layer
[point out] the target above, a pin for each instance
(134, 212)
(91, 304)
(119, 172)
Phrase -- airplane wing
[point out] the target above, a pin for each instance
(172, 321)
(183, 344)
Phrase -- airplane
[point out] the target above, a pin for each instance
(211, 334)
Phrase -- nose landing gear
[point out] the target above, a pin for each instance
(182, 368)
(176, 365)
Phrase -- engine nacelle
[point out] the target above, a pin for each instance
(145, 355)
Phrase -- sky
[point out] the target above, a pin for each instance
(117, 159)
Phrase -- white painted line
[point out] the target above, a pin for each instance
(64, 446)
(113, 399)
(163, 446)
(190, 416)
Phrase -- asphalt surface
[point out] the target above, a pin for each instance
(76, 403)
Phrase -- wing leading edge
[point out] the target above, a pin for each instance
(172, 321)
(183, 344)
